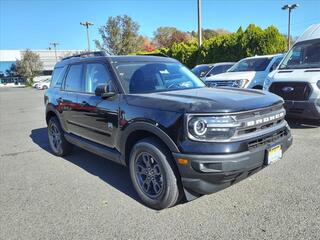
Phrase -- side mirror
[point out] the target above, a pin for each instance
(104, 91)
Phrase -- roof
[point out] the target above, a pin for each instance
(216, 64)
(115, 59)
(140, 58)
(265, 56)
(310, 33)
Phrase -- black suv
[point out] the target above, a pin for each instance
(150, 113)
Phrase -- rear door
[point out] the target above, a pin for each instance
(73, 85)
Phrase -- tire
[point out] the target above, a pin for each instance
(154, 175)
(44, 87)
(59, 145)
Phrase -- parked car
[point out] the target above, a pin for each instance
(43, 85)
(206, 70)
(297, 79)
(177, 136)
(35, 84)
(247, 73)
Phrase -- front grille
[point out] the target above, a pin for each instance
(296, 91)
(266, 140)
(255, 122)
(222, 83)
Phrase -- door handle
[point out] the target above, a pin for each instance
(83, 103)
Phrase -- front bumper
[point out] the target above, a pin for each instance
(303, 109)
(206, 174)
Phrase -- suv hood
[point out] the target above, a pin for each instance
(233, 76)
(205, 100)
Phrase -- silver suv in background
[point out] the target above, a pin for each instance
(297, 79)
(247, 73)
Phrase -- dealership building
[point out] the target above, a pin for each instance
(47, 57)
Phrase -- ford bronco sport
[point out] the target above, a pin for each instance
(178, 137)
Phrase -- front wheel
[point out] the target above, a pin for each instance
(154, 175)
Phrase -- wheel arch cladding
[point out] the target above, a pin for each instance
(139, 131)
(49, 115)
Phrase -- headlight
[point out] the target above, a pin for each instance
(243, 83)
(240, 83)
(210, 128)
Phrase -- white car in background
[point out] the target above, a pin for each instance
(35, 84)
(43, 85)
(249, 72)
(297, 78)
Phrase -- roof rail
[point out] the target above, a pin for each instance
(154, 54)
(87, 54)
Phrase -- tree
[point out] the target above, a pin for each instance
(119, 36)
(162, 36)
(167, 36)
(208, 33)
(12, 71)
(147, 45)
(29, 66)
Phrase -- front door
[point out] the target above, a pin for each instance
(97, 117)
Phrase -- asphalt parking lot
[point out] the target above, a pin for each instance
(83, 196)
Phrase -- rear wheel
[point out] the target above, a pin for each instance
(58, 143)
(154, 174)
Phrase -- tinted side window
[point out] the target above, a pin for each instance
(216, 70)
(275, 64)
(74, 78)
(96, 74)
(227, 67)
(57, 77)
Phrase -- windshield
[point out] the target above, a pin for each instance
(201, 70)
(251, 64)
(146, 77)
(303, 55)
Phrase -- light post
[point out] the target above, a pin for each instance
(289, 7)
(199, 24)
(87, 24)
(55, 44)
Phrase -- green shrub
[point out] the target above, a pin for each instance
(229, 47)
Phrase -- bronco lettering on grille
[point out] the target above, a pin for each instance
(264, 119)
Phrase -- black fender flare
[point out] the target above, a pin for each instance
(51, 108)
(144, 126)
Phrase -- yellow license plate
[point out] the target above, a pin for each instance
(274, 154)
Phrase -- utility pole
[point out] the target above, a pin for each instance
(87, 24)
(199, 24)
(55, 44)
(290, 7)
